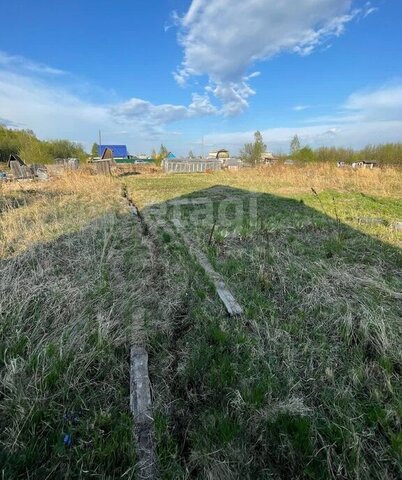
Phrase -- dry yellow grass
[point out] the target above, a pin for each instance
(278, 179)
(343, 193)
(33, 212)
(72, 284)
(386, 181)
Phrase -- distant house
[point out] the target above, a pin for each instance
(117, 151)
(170, 156)
(219, 154)
(268, 158)
(364, 165)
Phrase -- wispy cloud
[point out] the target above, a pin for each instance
(6, 122)
(300, 108)
(32, 100)
(369, 9)
(278, 139)
(384, 102)
(19, 62)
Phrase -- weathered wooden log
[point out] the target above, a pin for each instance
(141, 408)
(231, 305)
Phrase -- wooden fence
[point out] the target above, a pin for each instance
(103, 167)
(191, 166)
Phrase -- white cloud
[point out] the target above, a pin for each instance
(30, 100)
(300, 108)
(17, 62)
(369, 9)
(373, 116)
(354, 135)
(163, 113)
(381, 104)
(222, 39)
(385, 103)
(233, 96)
(51, 112)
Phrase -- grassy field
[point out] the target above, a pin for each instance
(306, 384)
(73, 278)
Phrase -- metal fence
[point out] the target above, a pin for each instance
(191, 166)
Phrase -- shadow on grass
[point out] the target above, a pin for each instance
(67, 312)
(305, 385)
(308, 383)
(128, 174)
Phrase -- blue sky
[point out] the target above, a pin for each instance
(179, 71)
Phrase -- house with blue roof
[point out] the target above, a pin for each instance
(118, 151)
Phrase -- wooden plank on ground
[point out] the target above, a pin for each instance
(231, 305)
(141, 408)
(372, 221)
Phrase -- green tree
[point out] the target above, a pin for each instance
(163, 152)
(191, 154)
(34, 151)
(11, 141)
(305, 154)
(95, 150)
(252, 152)
(295, 145)
(65, 149)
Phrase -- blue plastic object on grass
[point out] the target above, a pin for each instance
(67, 440)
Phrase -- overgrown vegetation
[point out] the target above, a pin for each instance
(72, 288)
(387, 154)
(33, 150)
(308, 383)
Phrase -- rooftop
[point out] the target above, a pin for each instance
(119, 151)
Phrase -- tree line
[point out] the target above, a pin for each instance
(25, 144)
(32, 150)
(389, 153)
